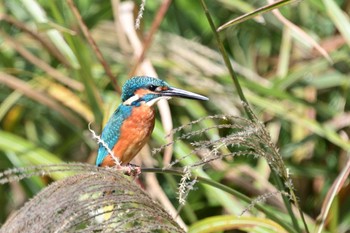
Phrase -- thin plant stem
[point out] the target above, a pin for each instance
(254, 13)
(278, 181)
(93, 45)
(300, 211)
(251, 115)
(228, 64)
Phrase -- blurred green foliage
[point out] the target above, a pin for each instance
(302, 97)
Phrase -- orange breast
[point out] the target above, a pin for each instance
(134, 133)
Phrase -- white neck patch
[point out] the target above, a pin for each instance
(131, 99)
(149, 103)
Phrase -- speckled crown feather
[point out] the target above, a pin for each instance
(138, 82)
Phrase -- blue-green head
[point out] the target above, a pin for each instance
(149, 90)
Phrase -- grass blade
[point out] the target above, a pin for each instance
(252, 14)
(40, 17)
(229, 222)
(339, 18)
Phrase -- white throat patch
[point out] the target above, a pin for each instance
(152, 102)
(149, 103)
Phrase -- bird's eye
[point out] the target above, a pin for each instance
(152, 87)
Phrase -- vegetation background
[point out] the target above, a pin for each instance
(57, 75)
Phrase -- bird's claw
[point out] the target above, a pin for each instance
(135, 170)
(131, 170)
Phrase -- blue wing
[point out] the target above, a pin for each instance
(111, 132)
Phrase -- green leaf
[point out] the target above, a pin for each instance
(29, 153)
(230, 222)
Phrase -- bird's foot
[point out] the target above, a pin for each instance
(131, 170)
(135, 170)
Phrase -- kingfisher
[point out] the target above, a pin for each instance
(132, 123)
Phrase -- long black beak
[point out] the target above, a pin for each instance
(175, 92)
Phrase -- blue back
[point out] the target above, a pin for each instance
(111, 131)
